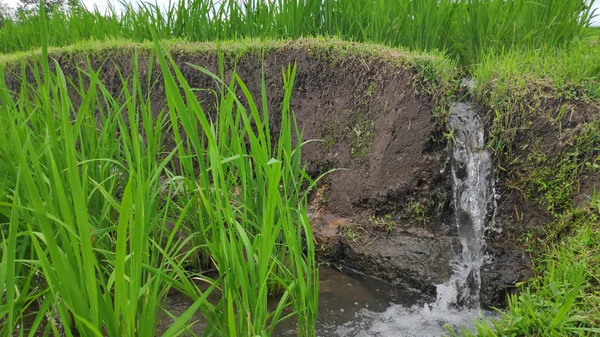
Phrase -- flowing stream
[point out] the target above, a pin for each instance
(457, 303)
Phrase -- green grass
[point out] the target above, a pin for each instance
(465, 30)
(91, 206)
(571, 74)
(548, 89)
(593, 35)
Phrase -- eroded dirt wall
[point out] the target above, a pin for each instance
(387, 211)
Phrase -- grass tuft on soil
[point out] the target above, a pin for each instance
(543, 110)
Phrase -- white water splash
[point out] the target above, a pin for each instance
(399, 321)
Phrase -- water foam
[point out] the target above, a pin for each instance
(399, 321)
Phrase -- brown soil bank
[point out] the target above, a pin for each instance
(380, 114)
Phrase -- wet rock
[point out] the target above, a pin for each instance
(498, 278)
(418, 262)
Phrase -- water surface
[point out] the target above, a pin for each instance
(354, 305)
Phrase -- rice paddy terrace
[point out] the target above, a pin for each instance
(309, 187)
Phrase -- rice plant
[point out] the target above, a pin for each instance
(465, 29)
(97, 218)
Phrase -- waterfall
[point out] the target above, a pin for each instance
(457, 303)
(473, 194)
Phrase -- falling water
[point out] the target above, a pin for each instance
(457, 301)
(473, 193)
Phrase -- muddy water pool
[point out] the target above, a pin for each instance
(355, 305)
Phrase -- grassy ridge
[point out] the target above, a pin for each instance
(464, 29)
(533, 94)
(234, 50)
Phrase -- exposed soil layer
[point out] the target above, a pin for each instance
(387, 211)
(542, 172)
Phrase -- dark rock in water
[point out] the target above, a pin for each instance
(417, 262)
(498, 278)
